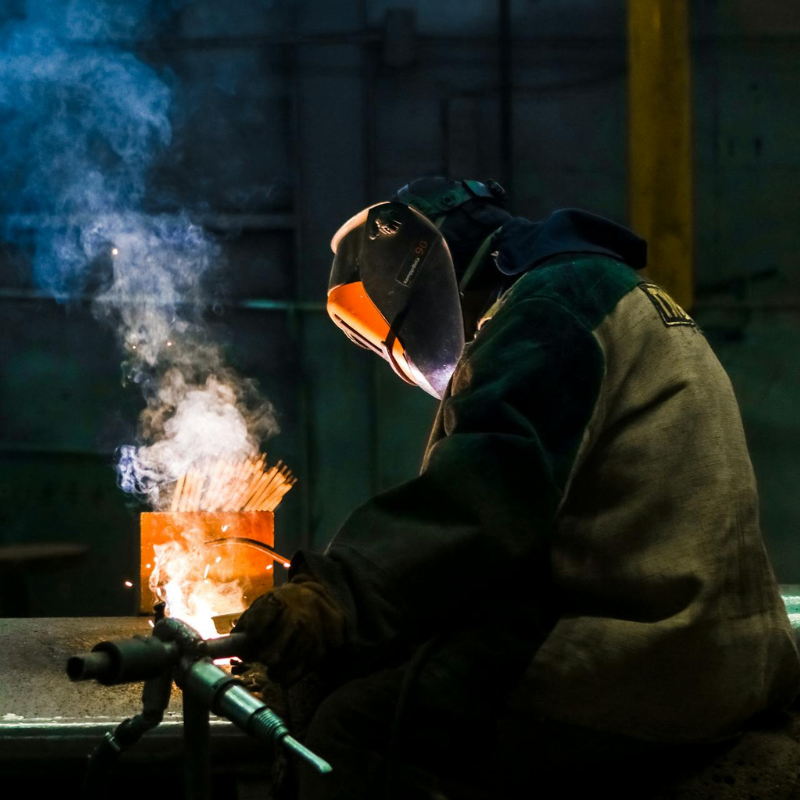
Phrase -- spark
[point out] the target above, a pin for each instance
(114, 251)
(128, 584)
(169, 344)
(218, 559)
(225, 527)
(147, 566)
(152, 624)
(286, 566)
(205, 574)
(269, 566)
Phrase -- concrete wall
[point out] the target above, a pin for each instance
(289, 117)
(747, 67)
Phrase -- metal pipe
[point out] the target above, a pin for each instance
(233, 645)
(368, 122)
(117, 661)
(250, 303)
(89, 666)
(660, 180)
(506, 94)
(790, 38)
(215, 221)
(295, 322)
(196, 736)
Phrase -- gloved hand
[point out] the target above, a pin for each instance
(293, 629)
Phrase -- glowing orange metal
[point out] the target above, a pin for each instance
(226, 562)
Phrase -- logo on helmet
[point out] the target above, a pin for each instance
(386, 224)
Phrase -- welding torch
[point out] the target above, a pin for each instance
(175, 651)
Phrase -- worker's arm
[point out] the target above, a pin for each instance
(472, 531)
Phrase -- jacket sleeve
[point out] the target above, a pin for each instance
(407, 562)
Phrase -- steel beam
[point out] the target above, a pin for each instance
(660, 140)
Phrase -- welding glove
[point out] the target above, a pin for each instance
(293, 629)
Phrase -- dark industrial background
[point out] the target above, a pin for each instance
(288, 117)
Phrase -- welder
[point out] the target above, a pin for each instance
(577, 575)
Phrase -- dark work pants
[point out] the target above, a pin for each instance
(438, 755)
(352, 729)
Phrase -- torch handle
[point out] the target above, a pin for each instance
(226, 697)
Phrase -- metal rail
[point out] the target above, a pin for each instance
(221, 221)
(248, 303)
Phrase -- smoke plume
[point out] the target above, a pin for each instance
(84, 121)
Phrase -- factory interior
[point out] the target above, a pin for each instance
(180, 417)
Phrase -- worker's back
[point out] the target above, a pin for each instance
(672, 628)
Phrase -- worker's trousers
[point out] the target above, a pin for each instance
(381, 751)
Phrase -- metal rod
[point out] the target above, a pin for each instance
(437, 40)
(253, 543)
(319, 764)
(296, 323)
(506, 94)
(196, 733)
(369, 62)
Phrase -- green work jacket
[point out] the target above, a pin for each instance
(583, 537)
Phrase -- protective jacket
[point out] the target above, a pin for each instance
(583, 538)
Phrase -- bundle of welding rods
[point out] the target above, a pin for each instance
(232, 485)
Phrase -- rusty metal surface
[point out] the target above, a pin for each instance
(44, 715)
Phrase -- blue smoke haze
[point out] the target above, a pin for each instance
(82, 122)
(81, 125)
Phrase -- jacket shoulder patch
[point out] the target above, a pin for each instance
(669, 311)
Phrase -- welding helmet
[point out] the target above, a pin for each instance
(393, 290)
(394, 286)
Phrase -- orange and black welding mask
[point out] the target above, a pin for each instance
(393, 290)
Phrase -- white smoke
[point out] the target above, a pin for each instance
(83, 127)
(190, 424)
(198, 408)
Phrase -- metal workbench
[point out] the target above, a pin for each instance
(48, 725)
(47, 720)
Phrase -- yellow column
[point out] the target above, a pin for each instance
(660, 140)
